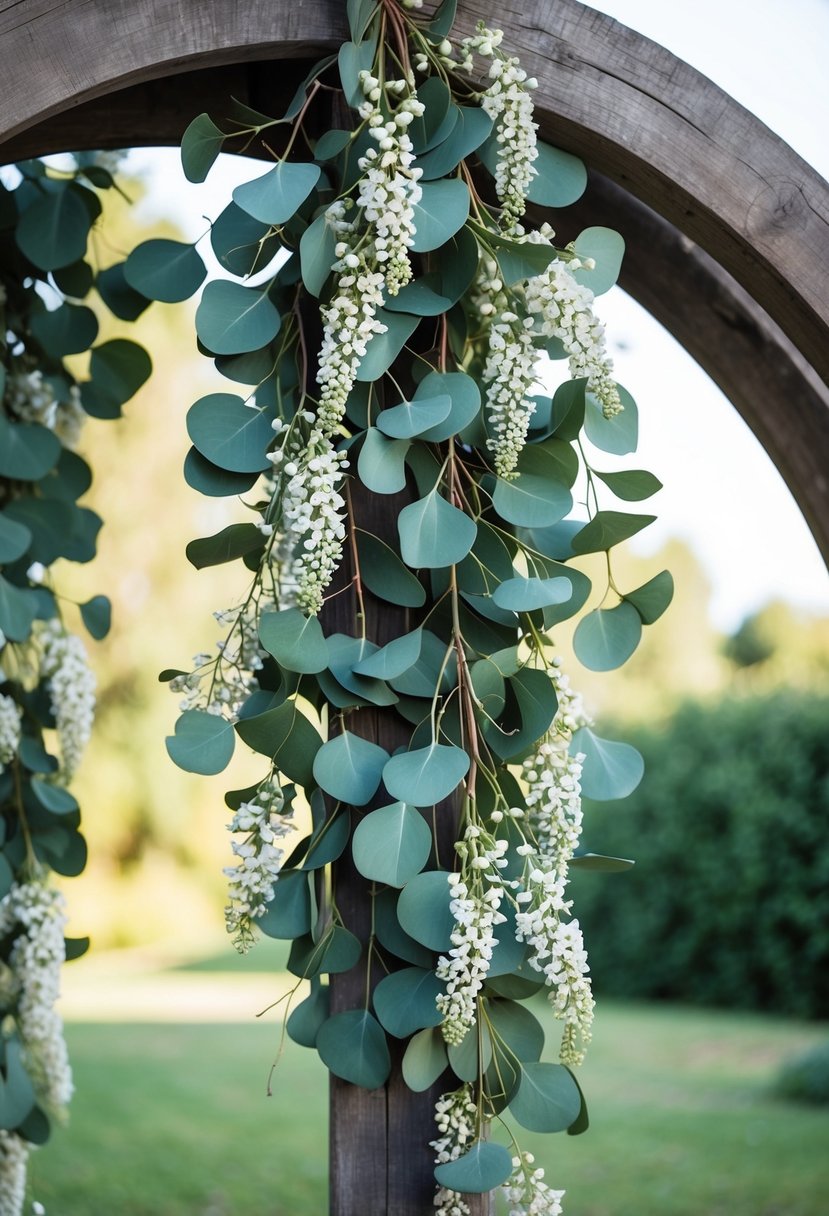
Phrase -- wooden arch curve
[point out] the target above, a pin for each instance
(727, 228)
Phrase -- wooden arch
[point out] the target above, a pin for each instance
(726, 228)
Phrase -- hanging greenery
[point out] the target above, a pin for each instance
(47, 692)
(399, 449)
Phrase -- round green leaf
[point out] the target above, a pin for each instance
(607, 637)
(527, 594)
(384, 348)
(201, 143)
(27, 450)
(209, 479)
(97, 616)
(66, 330)
(118, 369)
(633, 485)
(328, 842)
(412, 418)
(381, 465)
(52, 231)
(304, 1023)
(463, 1056)
(316, 253)
(420, 298)
(394, 658)
(353, 1046)
(203, 742)
(53, 797)
(652, 598)
(508, 953)
(548, 1099)
(611, 770)
(295, 641)
(425, 776)
(423, 910)
(170, 271)
(352, 59)
(288, 914)
(391, 845)
(442, 211)
(229, 433)
(276, 196)
(391, 935)
(465, 402)
(471, 127)
(350, 768)
(619, 434)
(536, 497)
(232, 319)
(560, 178)
(15, 539)
(424, 1060)
(485, 1166)
(607, 248)
(433, 533)
(17, 1097)
(437, 120)
(236, 540)
(608, 528)
(385, 575)
(405, 1001)
(335, 952)
(18, 608)
(118, 296)
(241, 244)
(517, 1036)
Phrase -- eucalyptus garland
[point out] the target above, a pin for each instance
(47, 691)
(392, 357)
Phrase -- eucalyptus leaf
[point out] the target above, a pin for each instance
(288, 914)
(391, 935)
(202, 743)
(619, 434)
(229, 433)
(15, 539)
(316, 253)
(633, 485)
(424, 912)
(535, 497)
(484, 1166)
(433, 533)
(424, 1060)
(521, 594)
(412, 418)
(53, 231)
(121, 299)
(607, 248)
(609, 528)
(304, 1022)
(427, 775)
(232, 319)
(610, 770)
(18, 608)
(170, 271)
(385, 575)
(471, 127)
(353, 58)
(442, 211)
(234, 541)
(436, 121)
(295, 641)
(278, 194)
(96, 615)
(118, 369)
(464, 1058)
(391, 845)
(209, 479)
(465, 402)
(384, 348)
(66, 330)
(381, 464)
(242, 244)
(653, 597)
(328, 841)
(391, 660)
(350, 768)
(353, 1046)
(27, 450)
(607, 637)
(201, 143)
(421, 298)
(287, 737)
(405, 1001)
(547, 1100)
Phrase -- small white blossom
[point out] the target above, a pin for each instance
(32, 399)
(14, 1155)
(38, 913)
(71, 684)
(456, 1121)
(526, 1192)
(313, 512)
(260, 824)
(9, 730)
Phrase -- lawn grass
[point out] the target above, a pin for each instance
(173, 1120)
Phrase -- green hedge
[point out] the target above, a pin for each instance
(729, 901)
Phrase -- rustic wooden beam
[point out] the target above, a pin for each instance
(628, 106)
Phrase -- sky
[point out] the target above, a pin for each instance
(727, 501)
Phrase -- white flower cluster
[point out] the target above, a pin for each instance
(508, 102)
(14, 1154)
(565, 309)
(557, 950)
(36, 959)
(71, 685)
(349, 323)
(32, 399)
(9, 730)
(553, 780)
(222, 685)
(252, 879)
(389, 186)
(526, 1192)
(476, 897)
(456, 1120)
(509, 371)
(313, 514)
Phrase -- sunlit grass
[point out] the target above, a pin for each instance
(173, 1120)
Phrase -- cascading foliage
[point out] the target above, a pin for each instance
(47, 692)
(396, 346)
